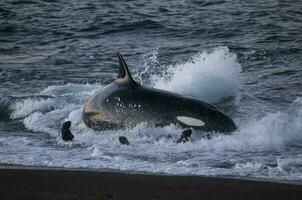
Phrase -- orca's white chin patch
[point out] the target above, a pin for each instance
(189, 121)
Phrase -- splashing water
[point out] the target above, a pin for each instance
(259, 148)
(210, 75)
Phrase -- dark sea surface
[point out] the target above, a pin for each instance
(243, 56)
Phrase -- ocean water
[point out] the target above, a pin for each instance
(242, 56)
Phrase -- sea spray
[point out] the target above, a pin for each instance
(209, 75)
(253, 150)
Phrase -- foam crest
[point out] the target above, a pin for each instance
(39, 122)
(284, 128)
(71, 89)
(28, 106)
(210, 76)
(272, 132)
(47, 115)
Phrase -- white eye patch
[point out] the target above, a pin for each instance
(190, 121)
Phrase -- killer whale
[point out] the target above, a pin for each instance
(124, 103)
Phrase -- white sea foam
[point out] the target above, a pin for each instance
(27, 106)
(254, 149)
(71, 89)
(210, 76)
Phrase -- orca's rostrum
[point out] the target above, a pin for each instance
(124, 103)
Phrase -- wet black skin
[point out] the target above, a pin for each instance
(124, 103)
(66, 134)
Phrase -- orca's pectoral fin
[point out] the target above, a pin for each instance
(123, 72)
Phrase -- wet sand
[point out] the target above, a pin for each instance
(16, 183)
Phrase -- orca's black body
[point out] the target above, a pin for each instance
(124, 103)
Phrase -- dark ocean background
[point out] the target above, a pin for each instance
(242, 56)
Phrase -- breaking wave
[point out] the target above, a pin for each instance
(209, 75)
(253, 150)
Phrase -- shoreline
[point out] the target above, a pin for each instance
(59, 183)
(126, 172)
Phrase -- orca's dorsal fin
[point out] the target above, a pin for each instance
(123, 73)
